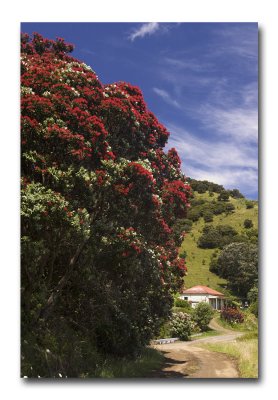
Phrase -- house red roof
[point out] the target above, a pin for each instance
(202, 290)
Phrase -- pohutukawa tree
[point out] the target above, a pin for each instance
(100, 199)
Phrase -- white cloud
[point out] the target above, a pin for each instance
(145, 29)
(166, 97)
(211, 154)
(239, 123)
(188, 64)
(223, 162)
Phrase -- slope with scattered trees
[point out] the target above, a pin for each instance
(233, 221)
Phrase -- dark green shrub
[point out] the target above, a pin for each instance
(223, 196)
(208, 216)
(202, 315)
(248, 224)
(194, 214)
(252, 235)
(253, 294)
(235, 193)
(229, 207)
(249, 204)
(219, 208)
(182, 303)
(213, 266)
(219, 236)
(254, 308)
(238, 263)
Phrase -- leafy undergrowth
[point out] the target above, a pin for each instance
(250, 323)
(141, 367)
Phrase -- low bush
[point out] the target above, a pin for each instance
(182, 304)
(232, 315)
(249, 204)
(202, 315)
(248, 223)
(181, 326)
(254, 308)
(208, 216)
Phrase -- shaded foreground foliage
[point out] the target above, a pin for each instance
(100, 202)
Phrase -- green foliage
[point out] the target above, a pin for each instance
(203, 186)
(248, 223)
(194, 214)
(142, 366)
(253, 298)
(223, 196)
(202, 315)
(183, 254)
(213, 266)
(181, 326)
(219, 236)
(253, 294)
(208, 216)
(100, 199)
(229, 208)
(235, 193)
(182, 225)
(249, 204)
(164, 331)
(238, 263)
(183, 304)
(252, 235)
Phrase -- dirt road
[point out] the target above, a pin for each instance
(188, 360)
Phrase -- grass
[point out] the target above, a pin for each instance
(202, 335)
(198, 260)
(141, 367)
(244, 350)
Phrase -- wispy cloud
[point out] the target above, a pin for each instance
(166, 97)
(188, 64)
(145, 29)
(240, 124)
(223, 162)
(88, 51)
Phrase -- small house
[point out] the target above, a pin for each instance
(198, 294)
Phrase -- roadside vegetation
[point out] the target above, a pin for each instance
(141, 367)
(187, 322)
(245, 348)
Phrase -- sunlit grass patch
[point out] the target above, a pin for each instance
(244, 350)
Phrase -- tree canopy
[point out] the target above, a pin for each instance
(100, 200)
(238, 263)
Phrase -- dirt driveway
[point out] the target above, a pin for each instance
(188, 360)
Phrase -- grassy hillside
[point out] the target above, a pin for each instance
(198, 259)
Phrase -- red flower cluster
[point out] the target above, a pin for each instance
(141, 171)
(70, 121)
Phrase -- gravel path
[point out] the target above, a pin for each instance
(188, 360)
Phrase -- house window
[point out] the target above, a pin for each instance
(185, 298)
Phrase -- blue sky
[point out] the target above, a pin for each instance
(199, 79)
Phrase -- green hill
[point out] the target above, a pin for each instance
(198, 259)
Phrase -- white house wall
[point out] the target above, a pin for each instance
(194, 299)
